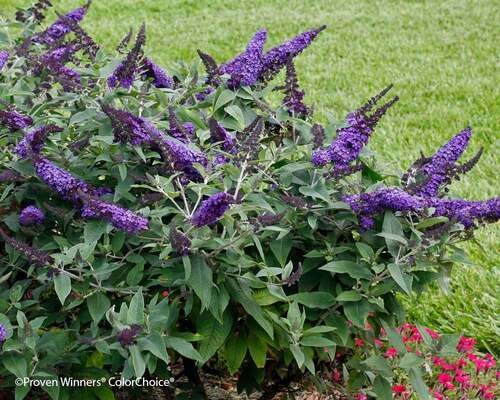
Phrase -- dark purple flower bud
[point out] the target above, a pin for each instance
(212, 209)
(293, 100)
(160, 77)
(125, 72)
(179, 241)
(35, 256)
(318, 133)
(277, 57)
(59, 55)
(439, 170)
(122, 46)
(59, 180)
(295, 201)
(219, 134)
(178, 130)
(3, 333)
(251, 140)
(270, 218)
(245, 69)
(31, 215)
(14, 120)
(33, 141)
(127, 336)
(220, 159)
(181, 158)
(211, 68)
(10, 175)
(60, 28)
(119, 217)
(150, 198)
(4, 56)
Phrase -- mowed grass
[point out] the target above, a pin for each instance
(441, 56)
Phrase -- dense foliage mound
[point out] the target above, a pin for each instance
(157, 222)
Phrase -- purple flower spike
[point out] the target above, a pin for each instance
(4, 56)
(14, 120)
(293, 94)
(3, 333)
(160, 77)
(212, 209)
(320, 158)
(119, 217)
(31, 215)
(126, 126)
(436, 172)
(182, 132)
(245, 68)
(59, 180)
(127, 336)
(277, 57)
(59, 29)
(34, 140)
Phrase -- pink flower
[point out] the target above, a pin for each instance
(399, 389)
(379, 343)
(362, 396)
(391, 353)
(336, 376)
(462, 378)
(359, 342)
(433, 334)
(444, 378)
(368, 326)
(466, 345)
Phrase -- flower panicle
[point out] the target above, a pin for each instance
(211, 68)
(293, 94)
(4, 57)
(36, 12)
(318, 133)
(160, 78)
(219, 134)
(176, 129)
(34, 255)
(245, 69)
(212, 209)
(14, 120)
(33, 141)
(179, 241)
(122, 46)
(31, 215)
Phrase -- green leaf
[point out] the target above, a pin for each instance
(418, 383)
(426, 223)
(258, 350)
(382, 388)
(394, 230)
(316, 341)
(214, 333)
(154, 344)
(349, 295)
(225, 97)
(183, 347)
(135, 313)
(122, 168)
(200, 280)
(281, 248)
(379, 364)
(15, 363)
(314, 299)
(235, 112)
(137, 360)
(94, 230)
(298, 354)
(403, 280)
(410, 360)
(117, 241)
(351, 268)
(365, 250)
(82, 116)
(357, 312)
(235, 350)
(319, 329)
(98, 304)
(21, 392)
(62, 285)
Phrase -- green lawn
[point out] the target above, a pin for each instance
(441, 56)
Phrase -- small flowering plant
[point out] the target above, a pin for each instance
(153, 216)
(395, 360)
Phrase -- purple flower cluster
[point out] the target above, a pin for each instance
(366, 205)
(468, 213)
(179, 241)
(127, 336)
(61, 54)
(59, 180)
(212, 209)
(203, 95)
(4, 56)
(437, 171)
(10, 175)
(245, 69)
(125, 72)
(182, 132)
(126, 126)
(33, 141)
(277, 57)
(181, 158)
(3, 333)
(350, 140)
(15, 120)
(35, 256)
(160, 78)
(31, 215)
(119, 217)
(219, 134)
(293, 95)
(59, 29)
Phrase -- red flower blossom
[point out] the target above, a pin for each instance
(466, 345)
(379, 343)
(444, 378)
(391, 353)
(359, 342)
(399, 389)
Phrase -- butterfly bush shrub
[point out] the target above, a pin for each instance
(159, 222)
